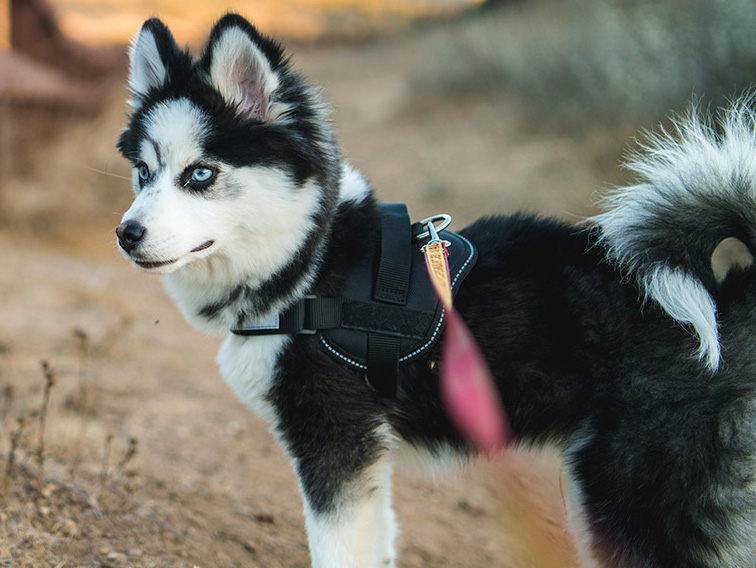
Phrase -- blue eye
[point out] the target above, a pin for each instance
(202, 174)
(144, 173)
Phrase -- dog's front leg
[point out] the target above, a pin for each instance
(357, 529)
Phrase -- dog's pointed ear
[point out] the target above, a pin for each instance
(149, 60)
(244, 68)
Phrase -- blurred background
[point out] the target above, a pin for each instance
(524, 103)
(467, 107)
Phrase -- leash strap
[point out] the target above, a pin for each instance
(437, 263)
(467, 385)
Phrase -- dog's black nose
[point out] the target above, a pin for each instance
(129, 235)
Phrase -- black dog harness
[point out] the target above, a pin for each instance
(388, 313)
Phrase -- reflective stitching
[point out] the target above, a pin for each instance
(340, 356)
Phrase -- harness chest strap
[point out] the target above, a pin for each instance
(385, 319)
(312, 314)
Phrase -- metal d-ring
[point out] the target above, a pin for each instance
(445, 222)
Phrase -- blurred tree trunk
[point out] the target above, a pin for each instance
(4, 25)
(36, 33)
(47, 82)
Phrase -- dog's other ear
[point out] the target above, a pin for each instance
(244, 68)
(149, 59)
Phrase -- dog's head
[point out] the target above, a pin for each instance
(230, 151)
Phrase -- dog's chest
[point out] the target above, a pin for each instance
(248, 365)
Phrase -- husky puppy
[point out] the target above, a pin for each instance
(611, 340)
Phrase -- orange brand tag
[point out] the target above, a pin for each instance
(437, 262)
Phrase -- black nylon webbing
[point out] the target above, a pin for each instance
(306, 316)
(391, 286)
(317, 314)
(383, 363)
(392, 279)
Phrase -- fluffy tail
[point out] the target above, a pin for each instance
(696, 186)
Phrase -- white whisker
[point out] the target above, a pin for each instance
(103, 172)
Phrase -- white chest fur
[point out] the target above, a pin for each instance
(249, 366)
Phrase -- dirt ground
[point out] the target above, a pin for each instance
(148, 459)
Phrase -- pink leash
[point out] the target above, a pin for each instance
(467, 385)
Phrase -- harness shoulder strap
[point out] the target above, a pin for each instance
(392, 278)
(392, 287)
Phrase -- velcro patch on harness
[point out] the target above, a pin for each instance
(397, 321)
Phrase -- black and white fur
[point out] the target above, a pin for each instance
(612, 341)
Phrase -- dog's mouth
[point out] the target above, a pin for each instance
(147, 265)
(203, 246)
(152, 264)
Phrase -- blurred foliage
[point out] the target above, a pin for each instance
(635, 58)
(116, 21)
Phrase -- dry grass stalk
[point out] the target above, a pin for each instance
(9, 394)
(83, 338)
(128, 456)
(106, 473)
(83, 403)
(51, 378)
(106, 458)
(10, 469)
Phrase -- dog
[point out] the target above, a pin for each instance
(611, 340)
